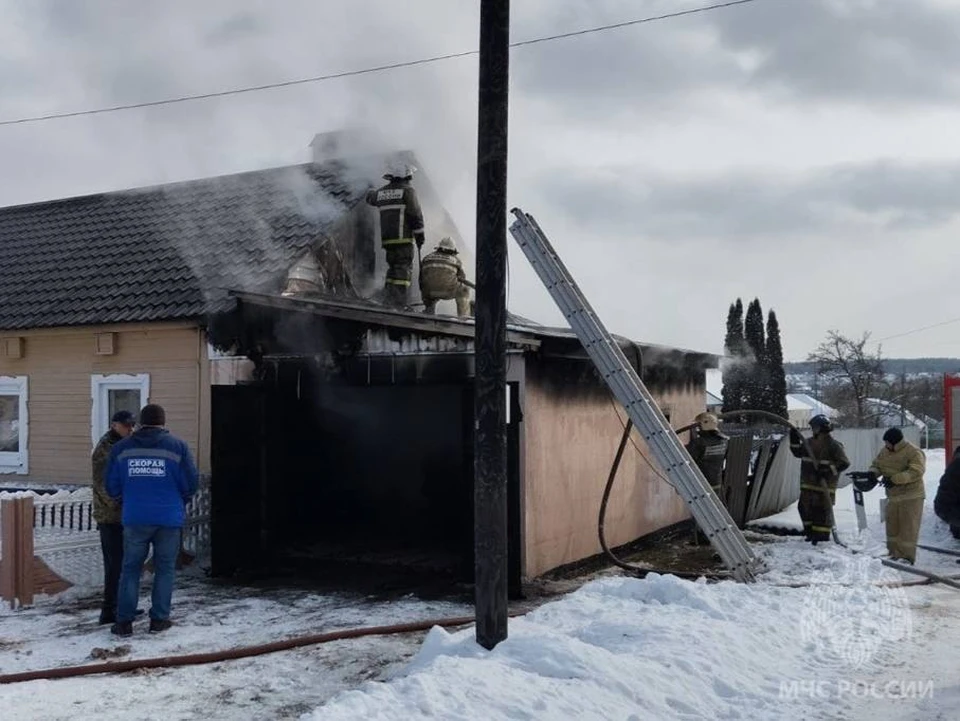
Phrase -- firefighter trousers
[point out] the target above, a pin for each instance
(903, 527)
(399, 273)
(815, 512)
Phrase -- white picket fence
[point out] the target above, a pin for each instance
(66, 538)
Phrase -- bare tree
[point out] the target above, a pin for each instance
(856, 371)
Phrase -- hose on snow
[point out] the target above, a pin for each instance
(642, 570)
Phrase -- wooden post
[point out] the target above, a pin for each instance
(25, 551)
(490, 465)
(8, 563)
(16, 569)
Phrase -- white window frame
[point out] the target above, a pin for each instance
(17, 462)
(101, 385)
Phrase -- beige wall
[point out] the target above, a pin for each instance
(59, 364)
(571, 437)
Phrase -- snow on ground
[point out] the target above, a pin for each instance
(209, 617)
(843, 647)
(848, 646)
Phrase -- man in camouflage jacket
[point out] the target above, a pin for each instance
(106, 512)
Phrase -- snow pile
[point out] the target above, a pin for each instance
(657, 648)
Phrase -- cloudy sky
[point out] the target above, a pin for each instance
(802, 151)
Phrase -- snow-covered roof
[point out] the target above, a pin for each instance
(893, 409)
(815, 406)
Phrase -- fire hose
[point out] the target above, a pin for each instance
(643, 571)
(230, 654)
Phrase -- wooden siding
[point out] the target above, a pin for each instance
(571, 433)
(59, 364)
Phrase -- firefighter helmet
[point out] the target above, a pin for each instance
(707, 421)
(821, 422)
(399, 171)
(448, 245)
(864, 485)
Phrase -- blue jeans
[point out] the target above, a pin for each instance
(136, 543)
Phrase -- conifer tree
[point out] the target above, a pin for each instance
(733, 346)
(777, 400)
(755, 382)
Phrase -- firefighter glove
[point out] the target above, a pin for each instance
(885, 482)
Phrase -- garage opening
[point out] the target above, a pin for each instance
(364, 479)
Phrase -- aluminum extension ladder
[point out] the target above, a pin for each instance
(623, 381)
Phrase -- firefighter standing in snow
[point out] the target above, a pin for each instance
(401, 227)
(442, 278)
(824, 468)
(708, 448)
(901, 466)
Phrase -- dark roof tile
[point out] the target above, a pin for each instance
(165, 252)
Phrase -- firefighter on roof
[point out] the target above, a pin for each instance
(401, 228)
(442, 278)
(824, 468)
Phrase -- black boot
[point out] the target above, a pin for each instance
(107, 616)
(122, 628)
(158, 626)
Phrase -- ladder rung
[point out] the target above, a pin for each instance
(627, 387)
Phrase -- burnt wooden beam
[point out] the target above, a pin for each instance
(490, 464)
(345, 310)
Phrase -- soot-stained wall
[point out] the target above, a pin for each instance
(572, 427)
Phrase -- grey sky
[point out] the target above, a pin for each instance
(802, 151)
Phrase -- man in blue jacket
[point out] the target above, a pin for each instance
(154, 474)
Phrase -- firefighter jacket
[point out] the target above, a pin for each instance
(904, 467)
(828, 462)
(401, 219)
(441, 274)
(105, 509)
(708, 450)
(946, 504)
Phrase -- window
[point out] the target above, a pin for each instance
(116, 393)
(13, 424)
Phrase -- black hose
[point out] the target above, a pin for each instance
(641, 571)
(774, 418)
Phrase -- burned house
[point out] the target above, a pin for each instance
(332, 428)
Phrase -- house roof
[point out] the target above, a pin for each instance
(165, 252)
(807, 401)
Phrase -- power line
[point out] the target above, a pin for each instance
(371, 70)
(919, 330)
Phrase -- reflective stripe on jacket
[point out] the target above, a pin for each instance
(401, 219)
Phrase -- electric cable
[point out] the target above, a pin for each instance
(371, 70)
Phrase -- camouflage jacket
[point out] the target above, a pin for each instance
(105, 509)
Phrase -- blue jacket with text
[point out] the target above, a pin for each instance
(153, 473)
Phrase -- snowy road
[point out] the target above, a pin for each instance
(618, 648)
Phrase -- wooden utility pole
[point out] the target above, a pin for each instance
(490, 340)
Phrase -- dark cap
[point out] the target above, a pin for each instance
(893, 436)
(125, 417)
(153, 415)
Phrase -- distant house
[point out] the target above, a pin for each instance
(802, 407)
(884, 414)
(325, 421)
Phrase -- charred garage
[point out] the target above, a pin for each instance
(351, 444)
